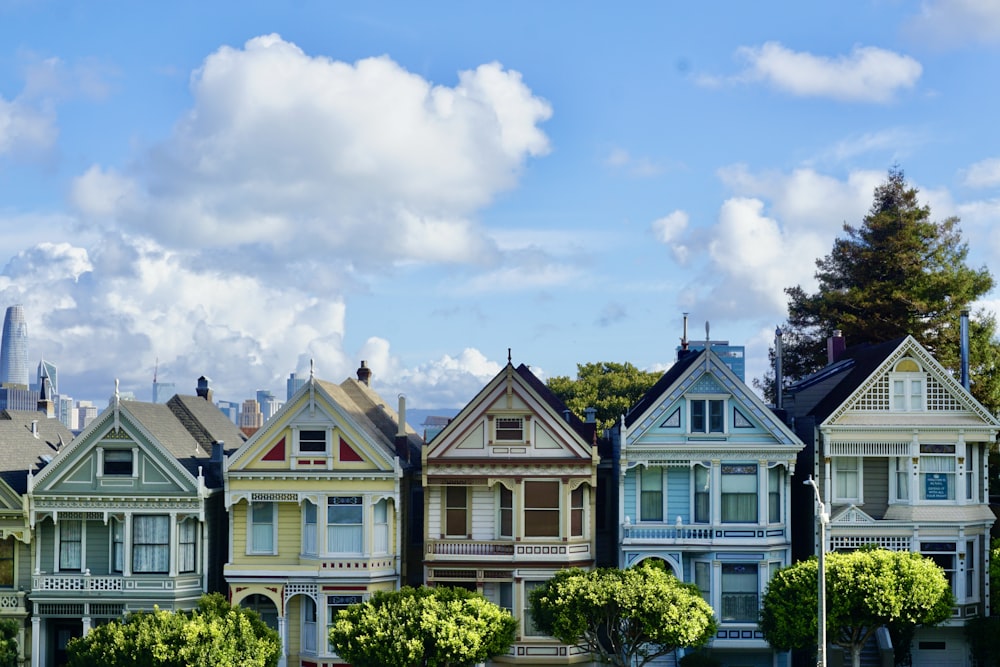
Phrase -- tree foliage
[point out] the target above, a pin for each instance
(899, 273)
(216, 634)
(8, 642)
(865, 589)
(430, 627)
(610, 388)
(626, 617)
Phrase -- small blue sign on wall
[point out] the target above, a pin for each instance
(936, 486)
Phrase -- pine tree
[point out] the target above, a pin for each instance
(898, 273)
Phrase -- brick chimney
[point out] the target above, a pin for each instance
(364, 373)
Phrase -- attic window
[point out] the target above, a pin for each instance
(509, 429)
(118, 462)
(312, 441)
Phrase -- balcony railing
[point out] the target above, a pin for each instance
(12, 602)
(507, 550)
(701, 534)
(85, 583)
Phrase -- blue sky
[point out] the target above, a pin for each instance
(235, 189)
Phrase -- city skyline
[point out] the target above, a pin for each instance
(251, 191)
(14, 347)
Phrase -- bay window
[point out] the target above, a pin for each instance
(847, 478)
(739, 493)
(150, 544)
(651, 494)
(70, 544)
(344, 521)
(937, 477)
(541, 509)
(262, 528)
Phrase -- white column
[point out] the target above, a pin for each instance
(715, 495)
(283, 634)
(763, 492)
(36, 641)
(962, 464)
(127, 546)
(172, 546)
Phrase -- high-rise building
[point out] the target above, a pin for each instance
(268, 403)
(14, 348)
(231, 409)
(86, 413)
(47, 369)
(251, 418)
(162, 391)
(292, 385)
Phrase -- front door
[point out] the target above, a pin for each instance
(60, 632)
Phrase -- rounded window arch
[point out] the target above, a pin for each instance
(265, 608)
(907, 365)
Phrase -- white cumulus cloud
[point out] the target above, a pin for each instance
(867, 74)
(956, 23)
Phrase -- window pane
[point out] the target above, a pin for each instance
(530, 630)
(118, 462)
(312, 441)
(151, 544)
(739, 592)
(70, 536)
(506, 512)
(739, 493)
(262, 527)
(697, 416)
(774, 495)
(576, 513)
(344, 524)
(716, 420)
(702, 506)
(7, 563)
(187, 537)
(651, 495)
(509, 428)
(456, 510)
(541, 509)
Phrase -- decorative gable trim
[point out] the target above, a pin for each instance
(853, 514)
(867, 396)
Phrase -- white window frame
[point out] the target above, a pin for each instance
(644, 473)
(972, 473)
(858, 472)
(502, 510)
(776, 477)
(902, 397)
(380, 526)
(901, 468)
(334, 603)
(973, 574)
(250, 550)
(696, 470)
(723, 593)
(308, 630)
(737, 476)
(310, 529)
(327, 439)
(951, 479)
(528, 628)
(584, 496)
(707, 402)
(930, 547)
(446, 507)
(509, 425)
(59, 567)
(335, 501)
(193, 545)
(527, 511)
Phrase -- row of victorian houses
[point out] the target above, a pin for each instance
(336, 498)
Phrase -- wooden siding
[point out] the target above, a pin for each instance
(483, 513)
(98, 547)
(630, 495)
(875, 476)
(289, 537)
(678, 495)
(44, 541)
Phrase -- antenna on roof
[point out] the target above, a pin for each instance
(684, 338)
(312, 369)
(508, 355)
(156, 367)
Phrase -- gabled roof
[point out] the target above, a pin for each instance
(21, 451)
(352, 402)
(684, 376)
(521, 381)
(660, 387)
(860, 364)
(854, 366)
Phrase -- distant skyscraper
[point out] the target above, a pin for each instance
(733, 356)
(231, 409)
(292, 385)
(268, 403)
(250, 416)
(47, 369)
(14, 348)
(162, 391)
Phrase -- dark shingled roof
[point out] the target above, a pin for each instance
(382, 417)
(584, 430)
(21, 451)
(856, 364)
(661, 386)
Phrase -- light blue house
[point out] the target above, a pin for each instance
(704, 475)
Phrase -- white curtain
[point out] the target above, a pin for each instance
(187, 538)
(262, 527)
(308, 528)
(381, 532)
(151, 544)
(344, 526)
(118, 545)
(70, 544)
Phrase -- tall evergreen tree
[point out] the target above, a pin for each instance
(898, 273)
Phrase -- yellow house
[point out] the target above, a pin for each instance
(315, 501)
(509, 499)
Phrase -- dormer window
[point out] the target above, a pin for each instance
(907, 381)
(509, 429)
(118, 462)
(708, 416)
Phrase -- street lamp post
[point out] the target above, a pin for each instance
(823, 519)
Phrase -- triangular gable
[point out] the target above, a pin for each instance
(475, 431)
(852, 514)
(709, 375)
(949, 396)
(74, 470)
(320, 406)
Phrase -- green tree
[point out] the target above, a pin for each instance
(214, 635)
(865, 589)
(428, 627)
(898, 273)
(610, 388)
(626, 617)
(8, 642)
